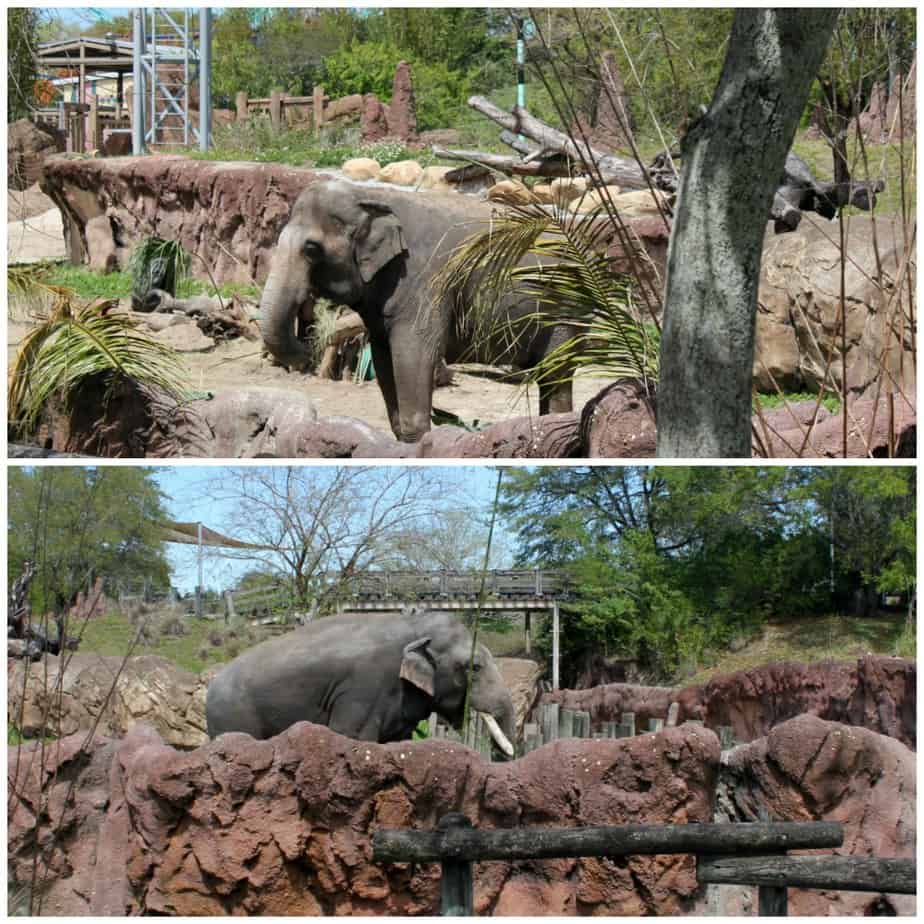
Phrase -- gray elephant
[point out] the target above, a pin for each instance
(377, 250)
(365, 676)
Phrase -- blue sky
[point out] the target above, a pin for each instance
(191, 498)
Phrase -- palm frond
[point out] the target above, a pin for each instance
(557, 258)
(75, 343)
(157, 264)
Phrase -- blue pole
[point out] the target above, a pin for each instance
(521, 68)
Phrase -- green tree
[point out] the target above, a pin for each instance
(236, 64)
(22, 40)
(78, 523)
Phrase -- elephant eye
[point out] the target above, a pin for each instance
(313, 250)
(476, 668)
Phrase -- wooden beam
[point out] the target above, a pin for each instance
(854, 874)
(401, 846)
(556, 648)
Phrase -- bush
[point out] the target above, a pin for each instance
(173, 627)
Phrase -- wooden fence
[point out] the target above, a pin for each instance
(749, 854)
(287, 111)
(84, 123)
(553, 723)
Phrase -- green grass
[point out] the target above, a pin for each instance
(89, 284)
(112, 635)
(771, 402)
(816, 638)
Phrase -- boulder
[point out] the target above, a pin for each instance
(641, 202)
(185, 337)
(361, 168)
(510, 192)
(592, 200)
(807, 769)
(401, 173)
(283, 827)
(27, 145)
(542, 192)
(798, 344)
(434, 177)
(564, 189)
(72, 690)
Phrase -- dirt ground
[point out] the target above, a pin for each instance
(27, 203)
(239, 363)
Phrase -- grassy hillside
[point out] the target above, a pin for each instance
(826, 638)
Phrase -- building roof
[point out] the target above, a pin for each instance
(98, 53)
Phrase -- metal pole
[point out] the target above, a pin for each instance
(186, 21)
(154, 75)
(205, 77)
(521, 68)
(555, 647)
(199, 585)
(138, 82)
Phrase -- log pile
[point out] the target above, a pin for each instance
(553, 153)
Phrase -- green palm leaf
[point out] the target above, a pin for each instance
(558, 258)
(73, 344)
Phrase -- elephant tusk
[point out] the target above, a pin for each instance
(500, 739)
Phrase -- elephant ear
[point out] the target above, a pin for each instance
(379, 241)
(418, 666)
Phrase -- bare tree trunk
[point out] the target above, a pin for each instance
(732, 162)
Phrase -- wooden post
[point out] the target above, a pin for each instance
(548, 718)
(96, 135)
(726, 737)
(628, 720)
(457, 895)
(566, 723)
(318, 108)
(531, 738)
(230, 612)
(655, 725)
(276, 109)
(432, 724)
(673, 713)
(240, 102)
(527, 629)
(581, 724)
(555, 647)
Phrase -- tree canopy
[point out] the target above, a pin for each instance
(668, 562)
(78, 523)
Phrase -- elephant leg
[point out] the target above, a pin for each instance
(555, 399)
(385, 376)
(413, 362)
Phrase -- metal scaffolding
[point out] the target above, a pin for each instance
(170, 58)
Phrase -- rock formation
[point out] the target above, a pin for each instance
(28, 143)
(283, 826)
(401, 113)
(810, 769)
(69, 695)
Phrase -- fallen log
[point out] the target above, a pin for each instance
(614, 170)
(218, 318)
(512, 166)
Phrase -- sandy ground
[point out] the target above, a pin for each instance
(239, 363)
(34, 228)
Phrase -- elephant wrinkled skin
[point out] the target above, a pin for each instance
(377, 251)
(365, 676)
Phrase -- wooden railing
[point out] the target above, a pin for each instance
(748, 854)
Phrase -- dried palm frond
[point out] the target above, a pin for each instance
(75, 343)
(558, 258)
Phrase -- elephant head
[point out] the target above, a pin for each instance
(440, 670)
(335, 245)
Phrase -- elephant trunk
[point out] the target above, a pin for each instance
(287, 292)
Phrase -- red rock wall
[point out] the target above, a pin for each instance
(811, 770)
(230, 214)
(875, 693)
(284, 826)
